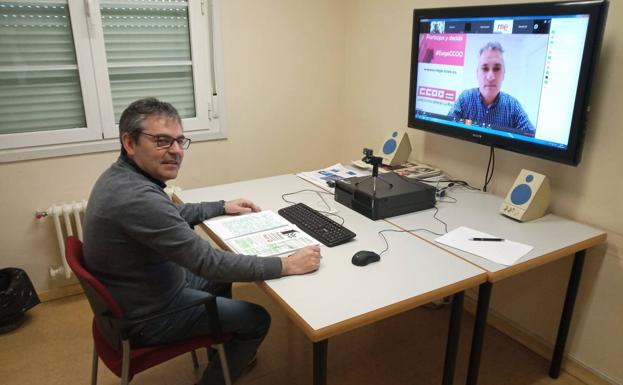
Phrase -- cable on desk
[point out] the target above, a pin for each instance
(319, 193)
(444, 199)
(445, 225)
(433, 305)
(283, 196)
(441, 192)
(491, 165)
(380, 233)
(457, 182)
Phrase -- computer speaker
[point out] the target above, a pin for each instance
(396, 149)
(529, 197)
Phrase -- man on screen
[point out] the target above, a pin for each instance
(487, 104)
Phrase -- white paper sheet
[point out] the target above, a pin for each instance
(504, 252)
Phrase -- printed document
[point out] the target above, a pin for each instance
(263, 234)
(504, 252)
(332, 173)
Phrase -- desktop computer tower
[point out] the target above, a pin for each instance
(394, 195)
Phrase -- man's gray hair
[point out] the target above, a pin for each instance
(133, 117)
(494, 45)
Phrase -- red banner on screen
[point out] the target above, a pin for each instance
(442, 48)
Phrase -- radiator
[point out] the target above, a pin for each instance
(67, 222)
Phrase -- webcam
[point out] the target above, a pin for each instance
(369, 157)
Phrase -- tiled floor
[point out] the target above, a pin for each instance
(54, 347)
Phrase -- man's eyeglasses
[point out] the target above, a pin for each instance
(165, 141)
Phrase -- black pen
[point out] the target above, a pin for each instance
(487, 239)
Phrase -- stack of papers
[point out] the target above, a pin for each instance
(333, 173)
(408, 169)
(263, 234)
(504, 252)
(413, 170)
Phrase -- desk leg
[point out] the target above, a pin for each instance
(320, 362)
(454, 331)
(567, 313)
(484, 295)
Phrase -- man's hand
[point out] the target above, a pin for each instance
(240, 206)
(303, 261)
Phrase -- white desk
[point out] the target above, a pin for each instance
(553, 237)
(340, 297)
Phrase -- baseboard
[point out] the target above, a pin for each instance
(59, 292)
(570, 365)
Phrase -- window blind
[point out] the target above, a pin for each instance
(39, 82)
(148, 52)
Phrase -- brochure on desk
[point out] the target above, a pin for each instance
(263, 234)
(331, 174)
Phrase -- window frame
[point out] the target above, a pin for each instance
(101, 133)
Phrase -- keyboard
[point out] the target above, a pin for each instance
(325, 230)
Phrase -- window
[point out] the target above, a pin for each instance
(68, 68)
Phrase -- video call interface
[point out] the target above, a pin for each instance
(514, 77)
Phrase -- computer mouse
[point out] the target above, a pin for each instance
(364, 257)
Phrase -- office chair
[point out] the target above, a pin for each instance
(110, 327)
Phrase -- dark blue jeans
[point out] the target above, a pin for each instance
(247, 322)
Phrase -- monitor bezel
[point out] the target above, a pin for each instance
(597, 11)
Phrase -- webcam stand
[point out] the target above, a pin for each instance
(375, 161)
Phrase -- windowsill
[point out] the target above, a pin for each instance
(43, 152)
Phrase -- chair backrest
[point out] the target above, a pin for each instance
(105, 307)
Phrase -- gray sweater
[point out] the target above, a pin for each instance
(141, 245)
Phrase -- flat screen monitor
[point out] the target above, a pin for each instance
(512, 76)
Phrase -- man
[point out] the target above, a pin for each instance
(487, 104)
(143, 248)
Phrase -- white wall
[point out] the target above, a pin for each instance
(375, 102)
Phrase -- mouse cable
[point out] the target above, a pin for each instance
(445, 225)
(380, 233)
(319, 193)
(433, 305)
